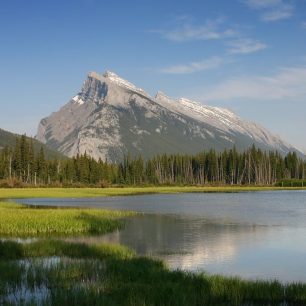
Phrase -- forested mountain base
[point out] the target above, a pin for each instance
(8, 139)
(23, 167)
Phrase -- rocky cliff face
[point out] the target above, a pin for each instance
(110, 117)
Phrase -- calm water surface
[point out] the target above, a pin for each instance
(252, 234)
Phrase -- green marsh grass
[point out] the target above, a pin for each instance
(25, 221)
(11, 193)
(113, 275)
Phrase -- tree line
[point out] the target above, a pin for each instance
(21, 165)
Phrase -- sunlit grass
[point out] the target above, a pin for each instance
(113, 275)
(22, 221)
(100, 192)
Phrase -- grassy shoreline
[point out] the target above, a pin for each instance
(113, 275)
(6, 193)
(23, 221)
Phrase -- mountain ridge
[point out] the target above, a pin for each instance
(111, 116)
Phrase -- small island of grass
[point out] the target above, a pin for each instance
(26, 221)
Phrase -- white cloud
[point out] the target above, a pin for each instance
(261, 4)
(211, 30)
(288, 83)
(207, 64)
(271, 10)
(245, 45)
(279, 13)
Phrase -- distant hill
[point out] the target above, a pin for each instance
(9, 139)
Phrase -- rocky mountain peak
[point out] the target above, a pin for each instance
(111, 75)
(95, 75)
(117, 80)
(161, 96)
(111, 117)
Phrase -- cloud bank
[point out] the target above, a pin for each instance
(288, 83)
(245, 45)
(271, 10)
(207, 64)
(210, 30)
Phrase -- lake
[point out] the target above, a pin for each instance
(255, 235)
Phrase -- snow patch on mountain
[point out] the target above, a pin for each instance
(113, 77)
(78, 100)
(220, 118)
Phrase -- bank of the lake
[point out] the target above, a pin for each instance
(51, 272)
(11, 193)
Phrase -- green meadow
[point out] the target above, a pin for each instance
(117, 191)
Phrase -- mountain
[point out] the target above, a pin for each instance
(110, 117)
(9, 139)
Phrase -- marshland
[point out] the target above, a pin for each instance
(157, 246)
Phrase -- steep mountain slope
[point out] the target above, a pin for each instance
(9, 139)
(110, 117)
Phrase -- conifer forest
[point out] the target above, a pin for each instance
(23, 166)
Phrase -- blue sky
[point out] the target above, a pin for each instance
(246, 55)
